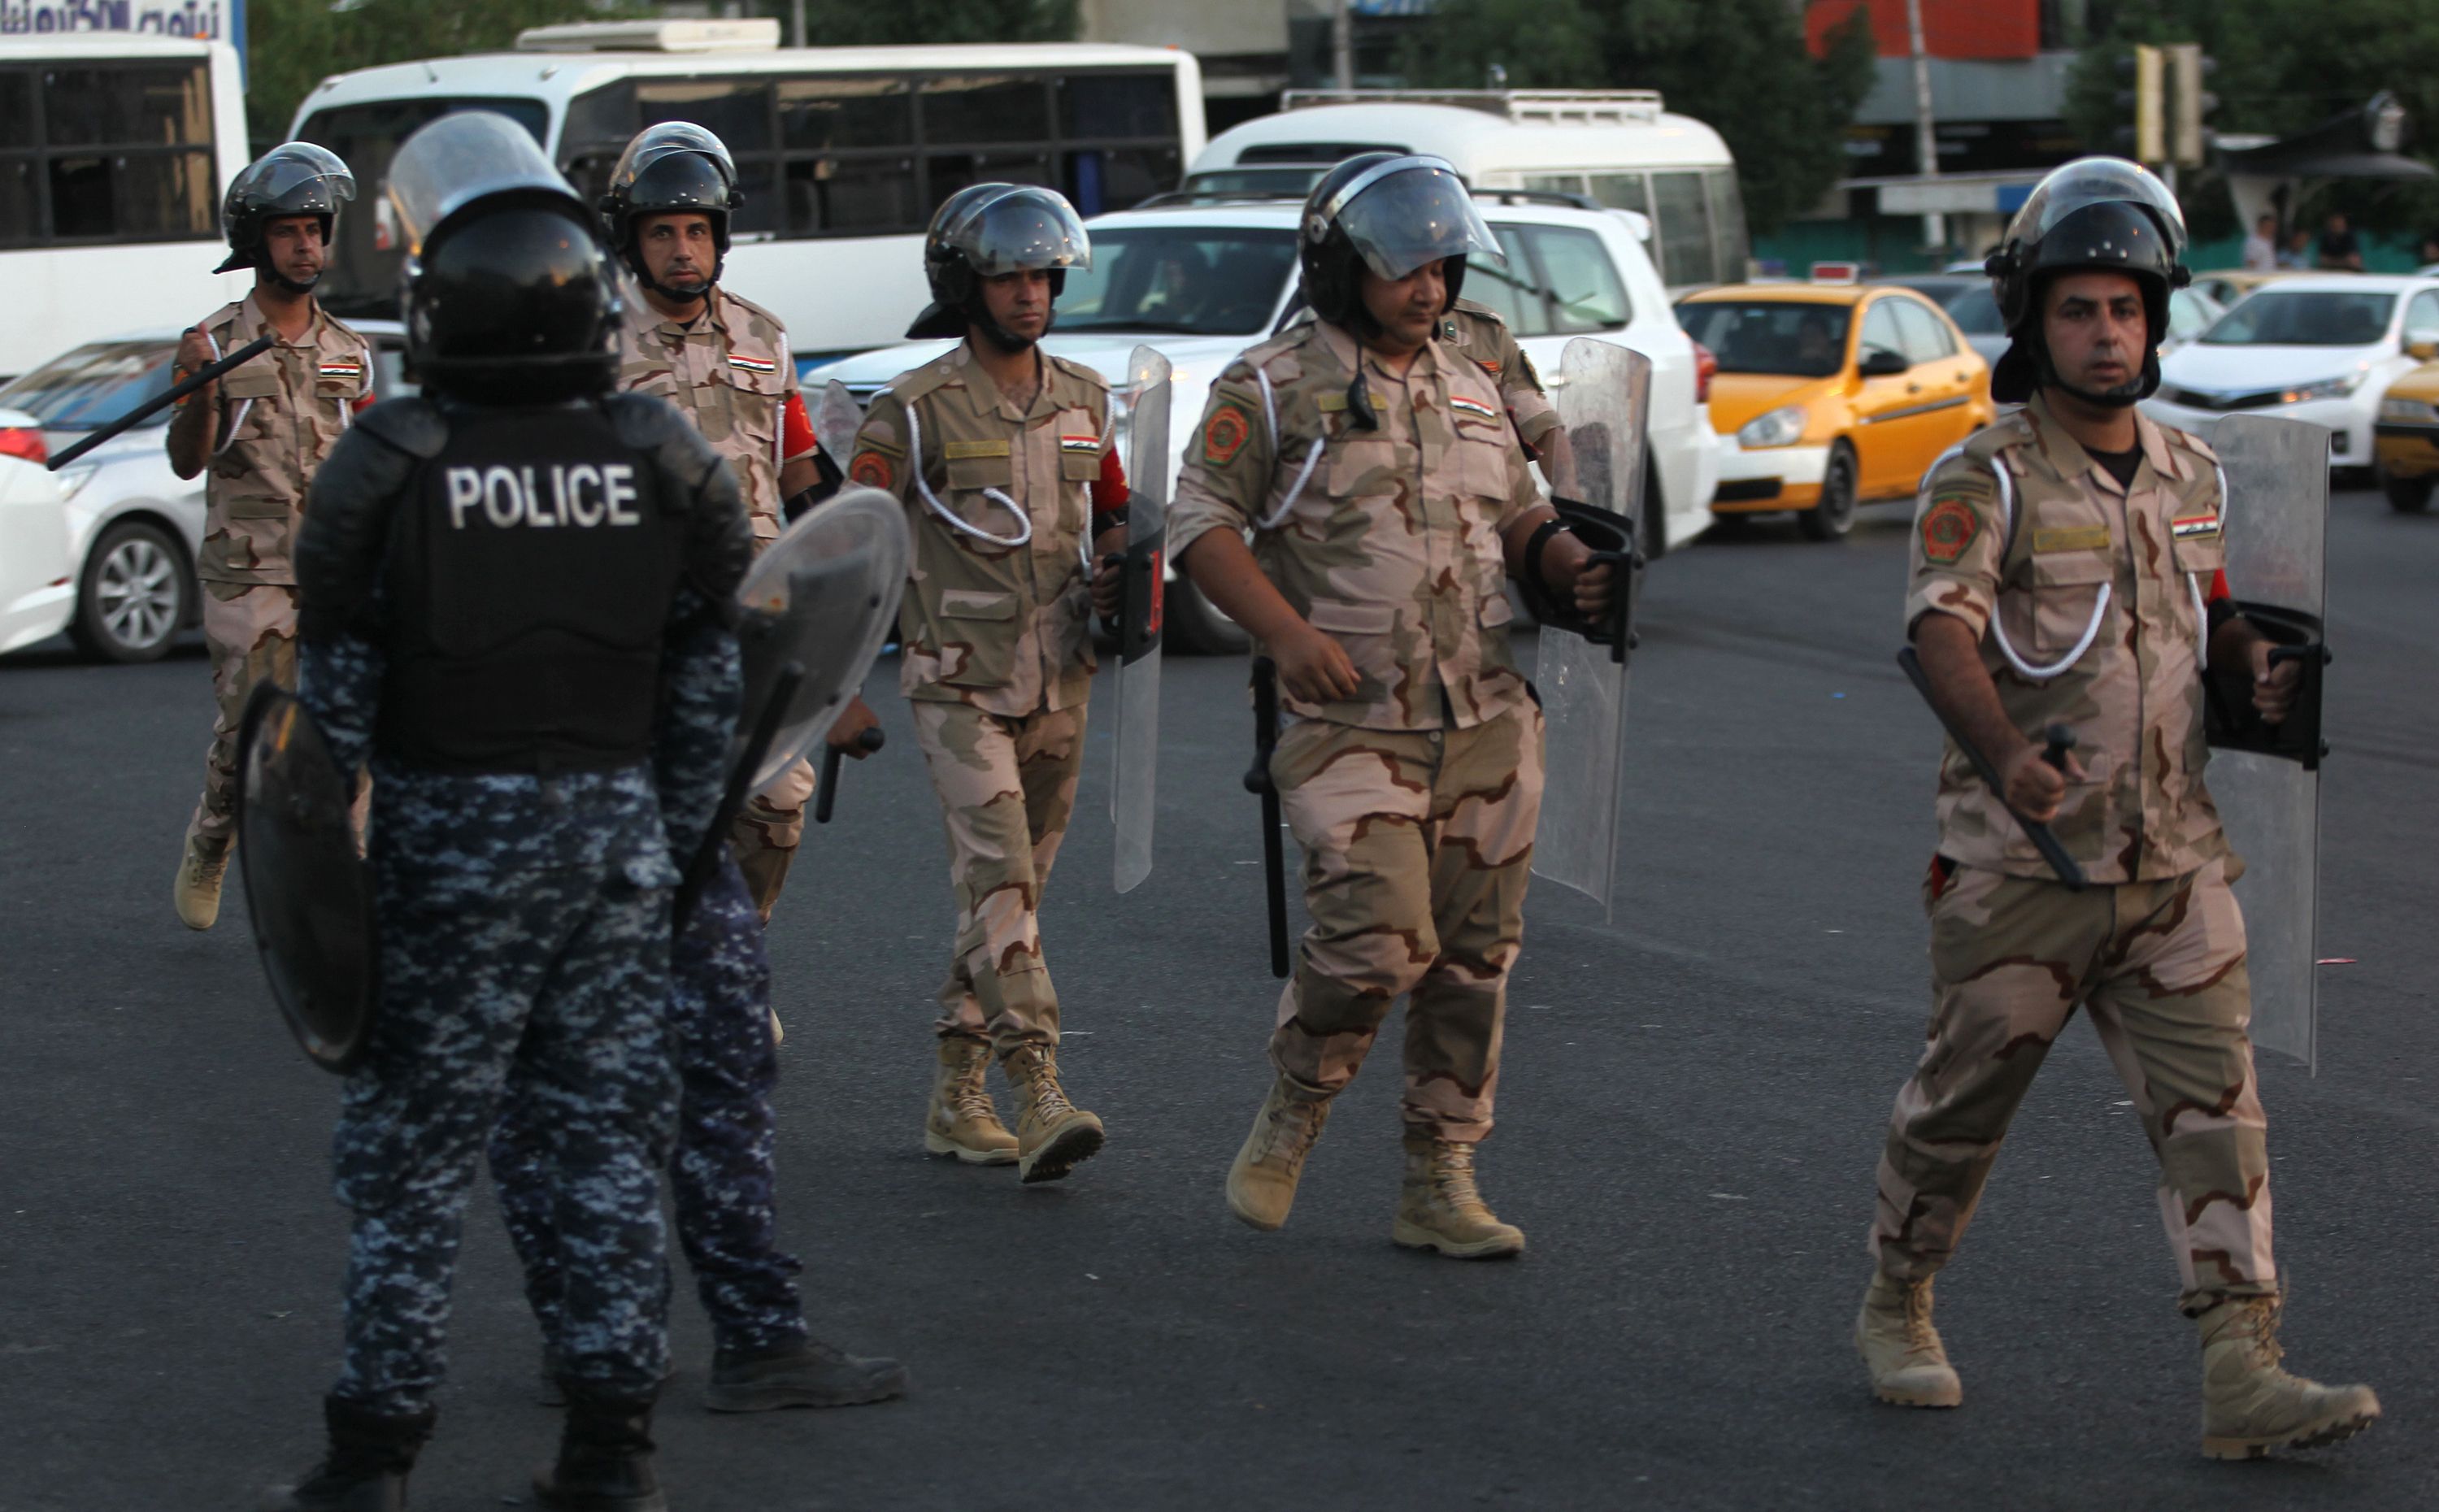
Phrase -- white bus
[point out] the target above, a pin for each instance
(114, 153)
(1622, 149)
(843, 153)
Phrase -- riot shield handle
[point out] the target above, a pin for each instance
(732, 799)
(2060, 738)
(162, 400)
(1257, 780)
(869, 740)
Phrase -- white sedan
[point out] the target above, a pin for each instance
(36, 591)
(2319, 348)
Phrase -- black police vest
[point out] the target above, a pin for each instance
(528, 588)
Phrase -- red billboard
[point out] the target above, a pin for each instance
(1950, 29)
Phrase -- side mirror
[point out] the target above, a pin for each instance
(1879, 362)
(2422, 345)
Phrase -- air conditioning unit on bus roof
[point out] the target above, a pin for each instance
(759, 35)
(1537, 107)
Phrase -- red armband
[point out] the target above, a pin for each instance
(365, 401)
(1110, 490)
(2218, 588)
(797, 437)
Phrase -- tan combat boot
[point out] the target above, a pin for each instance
(961, 1120)
(1053, 1135)
(2250, 1406)
(1901, 1349)
(1262, 1183)
(198, 893)
(1440, 1209)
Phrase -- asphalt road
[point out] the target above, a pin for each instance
(1693, 1100)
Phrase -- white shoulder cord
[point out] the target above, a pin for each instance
(1313, 458)
(1999, 630)
(2194, 580)
(238, 423)
(914, 467)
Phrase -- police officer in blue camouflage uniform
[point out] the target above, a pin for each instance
(517, 605)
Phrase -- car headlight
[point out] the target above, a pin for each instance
(73, 478)
(2411, 411)
(1783, 426)
(2338, 387)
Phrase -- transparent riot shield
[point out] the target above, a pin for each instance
(1145, 393)
(308, 893)
(836, 418)
(1603, 395)
(2266, 780)
(819, 599)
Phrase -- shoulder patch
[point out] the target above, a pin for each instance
(1949, 526)
(1226, 432)
(871, 469)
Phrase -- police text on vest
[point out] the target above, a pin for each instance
(580, 495)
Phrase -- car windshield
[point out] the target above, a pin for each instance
(94, 384)
(1805, 340)
(2305, 317)
(1181, 281)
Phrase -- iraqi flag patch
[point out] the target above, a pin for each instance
(341, 369)
(2194, 525)
(753, 364)
(1473, 409)
(1080, 443)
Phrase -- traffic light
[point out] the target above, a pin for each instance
(2188, 102)
(2147, 141)
(2168, 104)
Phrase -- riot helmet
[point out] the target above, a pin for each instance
(1395, 213)
(674, 168)
(294, 178)
(2095, 214)
(987, 229)
(509, 297)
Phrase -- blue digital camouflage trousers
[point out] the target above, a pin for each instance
(723, 1172)
(555, 980)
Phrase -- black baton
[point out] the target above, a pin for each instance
(2060, 740)
(163, 400)
(870, 741)
(740, 786)
(1257, 780)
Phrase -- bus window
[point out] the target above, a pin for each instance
(1098, 179)
(1555, 183)
(866, 192)
(844, 112)
(735, 111)
(1688, 255)
(106, 153)
(1728, 222)
(1622, 191)
(1094, 105)
(19, 203)
(984, 110)
(1583, 282)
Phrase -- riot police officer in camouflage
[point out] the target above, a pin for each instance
(518, 595)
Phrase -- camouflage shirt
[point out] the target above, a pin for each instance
(279, 416)
(1006, 629)
(732, 372)
(1393, 543)
(1482, 338)
(2088, 601)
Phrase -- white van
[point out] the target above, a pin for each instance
(1619, 148)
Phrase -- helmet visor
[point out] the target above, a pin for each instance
(460, 159)
(2094, 181)
(1407, 212)
(676, 139)
(1017, 228)
(300, 173)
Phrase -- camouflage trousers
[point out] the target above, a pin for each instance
(724, 1171)
(2161, 965)
(1417, 848)
(767, 832)
(1007, 786)
(558, 979)
(251, 632)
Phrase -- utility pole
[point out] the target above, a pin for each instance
(799, 32)
(1342, 41)
(1926, 140)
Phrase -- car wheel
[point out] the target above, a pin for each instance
(1196, 625)
(135, 595)
(1835, 515)
(2407, 496)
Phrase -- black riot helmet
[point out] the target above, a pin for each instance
(509, 297)
(986, 229)
(294, 178)
(2095, 214)
(674, 168)
(1395, 213)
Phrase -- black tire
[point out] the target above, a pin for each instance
(1194, 625)
(2407, 496)
(1835, 515)
(135, 595)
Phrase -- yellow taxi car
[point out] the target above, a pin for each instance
(2405, 436)
(1831, 393)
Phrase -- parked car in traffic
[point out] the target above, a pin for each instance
(2406, 437)
(2225, 286)
(1969, 302)
(1202, 276)
(36, 593)
(134, 526)
(1830, 395)
(2313, 347)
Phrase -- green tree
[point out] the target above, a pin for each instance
(1738, 64)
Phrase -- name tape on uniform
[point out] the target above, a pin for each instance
(967, 451)
(583, 495)
(2081, 538)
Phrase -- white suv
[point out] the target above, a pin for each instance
(1201, 277)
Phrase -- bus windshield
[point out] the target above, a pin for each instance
(1186, 280)
(362, 279)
